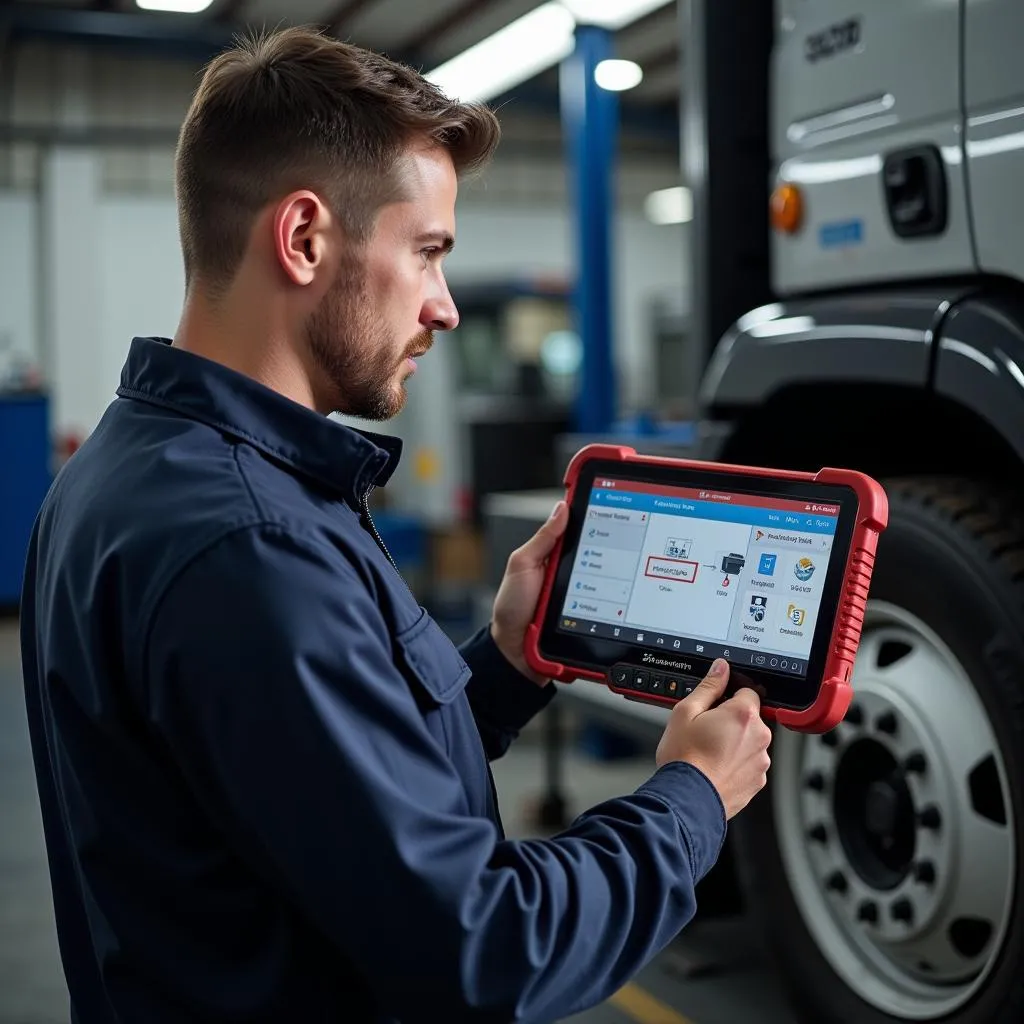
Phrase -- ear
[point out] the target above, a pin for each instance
(301, 223)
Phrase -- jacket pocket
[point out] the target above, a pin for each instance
(432, 661)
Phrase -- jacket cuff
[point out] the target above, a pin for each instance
(698, 809)
(499, 691)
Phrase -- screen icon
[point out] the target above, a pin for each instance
(796, 615)
(804, 569)
(774, 662)
(639, 638)
(617, 631)
(675, 644)
(676, 547)
(766, 567)
(700, 648)
(725, 653)
(758, 607)
(732, 563)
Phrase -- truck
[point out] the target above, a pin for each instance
(858, 249)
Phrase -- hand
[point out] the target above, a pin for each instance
(728, 743)
(520, 591)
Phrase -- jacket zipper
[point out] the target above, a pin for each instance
(365, 507)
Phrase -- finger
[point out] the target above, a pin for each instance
(746, 700)
(709, 689)
(541, 544)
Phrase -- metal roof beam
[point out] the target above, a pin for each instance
(171, 35)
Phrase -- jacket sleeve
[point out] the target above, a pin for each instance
(503, 699)
(271, 680)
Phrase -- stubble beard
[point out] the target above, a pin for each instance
(355, 352)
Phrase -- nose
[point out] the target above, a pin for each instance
(439, 312)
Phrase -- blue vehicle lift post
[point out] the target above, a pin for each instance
(590, 127)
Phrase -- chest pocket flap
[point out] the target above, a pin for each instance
(432, 660)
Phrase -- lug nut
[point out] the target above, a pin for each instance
(830, 739)
(855, 715)
(815, 781)
(930, 817)
(902, 910)
(819, 833)
(837, 882)
(915, 763)
(886, 723)
(868, 911)
(924, 872)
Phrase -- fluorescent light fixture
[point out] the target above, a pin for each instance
(174, 6)
(514, 54)
(618, 75)
(669, 206)
(613, 14)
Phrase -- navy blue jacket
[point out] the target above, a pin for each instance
(263, 769)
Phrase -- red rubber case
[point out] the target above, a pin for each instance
(836, 690)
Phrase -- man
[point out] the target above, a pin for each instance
(263, 769)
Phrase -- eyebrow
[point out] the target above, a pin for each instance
(447, 241)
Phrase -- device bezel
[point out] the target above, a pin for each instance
(777, 689)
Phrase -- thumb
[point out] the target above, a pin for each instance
(709, 689)
(541, 544)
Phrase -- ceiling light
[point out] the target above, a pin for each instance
(669, 206)
(175, 6)
(613, 14)
(618, 75)
(514, 54)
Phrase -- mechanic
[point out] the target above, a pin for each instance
(263, 768)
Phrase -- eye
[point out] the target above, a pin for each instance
(429, 253)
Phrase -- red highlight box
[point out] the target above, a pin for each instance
(671, 579)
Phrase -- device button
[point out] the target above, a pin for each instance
(640, 681)
(658, 684)
(683, 686)
(620, 675)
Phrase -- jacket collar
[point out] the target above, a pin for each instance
(344, 459)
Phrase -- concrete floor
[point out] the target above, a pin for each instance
(712, 975)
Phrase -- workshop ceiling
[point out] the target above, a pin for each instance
(424, 33)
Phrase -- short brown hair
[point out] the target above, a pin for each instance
(298, 109)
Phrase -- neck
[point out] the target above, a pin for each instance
(250, 337)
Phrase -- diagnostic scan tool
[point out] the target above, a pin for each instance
(667, 564)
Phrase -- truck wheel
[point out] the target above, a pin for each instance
(883, 860)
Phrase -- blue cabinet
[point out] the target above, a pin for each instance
(25, 476)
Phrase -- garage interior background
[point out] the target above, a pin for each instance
(873, 319)
(92, 93)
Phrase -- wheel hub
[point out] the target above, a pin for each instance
(873, 809)
(903, 880)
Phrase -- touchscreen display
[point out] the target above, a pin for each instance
(701, 572)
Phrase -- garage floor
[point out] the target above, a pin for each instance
(712, 975)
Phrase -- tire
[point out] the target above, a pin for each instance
(931, 758)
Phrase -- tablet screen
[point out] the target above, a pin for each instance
(701, 572)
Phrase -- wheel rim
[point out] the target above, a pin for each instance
(896, 829)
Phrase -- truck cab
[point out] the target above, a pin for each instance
(884, 859)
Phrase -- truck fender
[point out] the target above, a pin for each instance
(865, 337)
(979, 362)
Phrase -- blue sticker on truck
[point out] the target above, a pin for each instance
(840, 234)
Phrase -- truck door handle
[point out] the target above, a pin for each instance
(915, 191)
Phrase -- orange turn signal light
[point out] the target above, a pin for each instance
(787, 208)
